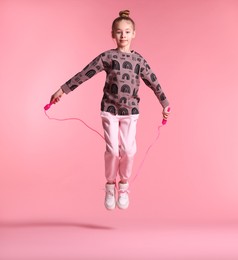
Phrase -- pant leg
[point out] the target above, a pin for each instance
(127, 134)
(111, 129)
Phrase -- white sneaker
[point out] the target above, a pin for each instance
(123, 196)
(110, 200)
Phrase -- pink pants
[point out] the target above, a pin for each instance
(119, 133)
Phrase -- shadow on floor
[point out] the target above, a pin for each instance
(30, 224)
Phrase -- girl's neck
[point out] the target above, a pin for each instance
(126, 50)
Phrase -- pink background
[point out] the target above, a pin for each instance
(55, 171)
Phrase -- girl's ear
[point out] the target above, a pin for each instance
(113, 35)
(134, 34)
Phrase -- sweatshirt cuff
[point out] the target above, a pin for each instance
(65, 88)
(165, 103)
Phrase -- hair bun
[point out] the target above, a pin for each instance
(124, 13)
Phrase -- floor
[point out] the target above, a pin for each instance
(89, 240)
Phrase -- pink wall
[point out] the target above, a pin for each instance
(53, 170)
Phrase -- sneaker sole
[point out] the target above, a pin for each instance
(122, 207)
(110, 208)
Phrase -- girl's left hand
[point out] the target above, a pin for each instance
(166, 112)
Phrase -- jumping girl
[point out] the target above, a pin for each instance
(119, 105)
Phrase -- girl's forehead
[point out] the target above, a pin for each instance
(123, 24)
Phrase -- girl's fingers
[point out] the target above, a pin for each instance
(166, 112)
(55, 99)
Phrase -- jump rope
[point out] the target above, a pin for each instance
(164, 121)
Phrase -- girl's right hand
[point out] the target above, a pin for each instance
(166, 112)
(56, 96)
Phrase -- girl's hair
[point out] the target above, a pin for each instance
(123, 15)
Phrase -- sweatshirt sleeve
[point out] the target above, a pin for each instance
(94, 67)
(150, 79)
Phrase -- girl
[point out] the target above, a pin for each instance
(120, 104)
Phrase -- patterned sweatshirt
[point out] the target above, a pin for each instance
(123, 73)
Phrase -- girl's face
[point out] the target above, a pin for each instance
(123, 33)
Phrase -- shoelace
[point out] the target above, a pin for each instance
(110, 193)
(123, 192)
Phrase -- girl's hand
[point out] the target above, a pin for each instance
(56, 96)
(166, 112)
